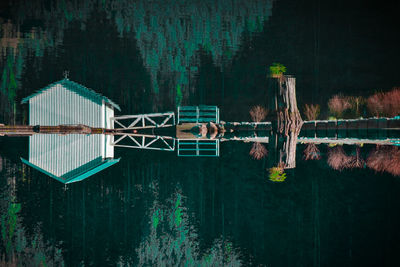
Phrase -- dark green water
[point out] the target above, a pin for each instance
(210, 211)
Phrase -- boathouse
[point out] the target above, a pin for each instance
(73, 157)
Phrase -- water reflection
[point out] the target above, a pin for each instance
(311, 152)
(380, 158)
(385, 159)
(20, 247)
(69, 158)
(173, 241)
(116, 208)
(96, 222)
(169, 237)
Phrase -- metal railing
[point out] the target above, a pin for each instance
(198, 148)
(198, 114)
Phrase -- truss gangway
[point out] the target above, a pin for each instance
(143, 121)
(128, 131)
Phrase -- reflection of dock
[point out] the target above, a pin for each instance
(379, 131)
(347, 141)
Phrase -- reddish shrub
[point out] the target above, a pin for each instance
(338, 104)
(258, 151)
(311, 111)
(385, 104)
(356, 103)
(258, 113)
(375, 104)
(391, 102)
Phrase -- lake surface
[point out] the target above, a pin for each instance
(155, 208)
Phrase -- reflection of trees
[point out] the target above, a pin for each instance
(18, 247)
(111, 209)
(381, 159)
(311, 152)
(172, 241)
(337, 158)
(258, 151)
(356, 161)
(385, 159)
(104, 219)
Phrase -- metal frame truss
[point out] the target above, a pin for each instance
(143, 141)
(143, 121)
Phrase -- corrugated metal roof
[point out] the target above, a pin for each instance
(77, 88)
(79, 176)
(105, 164)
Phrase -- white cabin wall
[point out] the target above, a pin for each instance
(103, 125)
(59, 105)
(109, 113)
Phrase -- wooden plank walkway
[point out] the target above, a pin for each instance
(27, 130)
(352, 124)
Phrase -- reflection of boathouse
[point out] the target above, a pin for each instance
(73, 157)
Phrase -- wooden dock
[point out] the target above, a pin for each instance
(352, 124)
(28, 130)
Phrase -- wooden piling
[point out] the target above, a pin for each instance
(288, 119)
